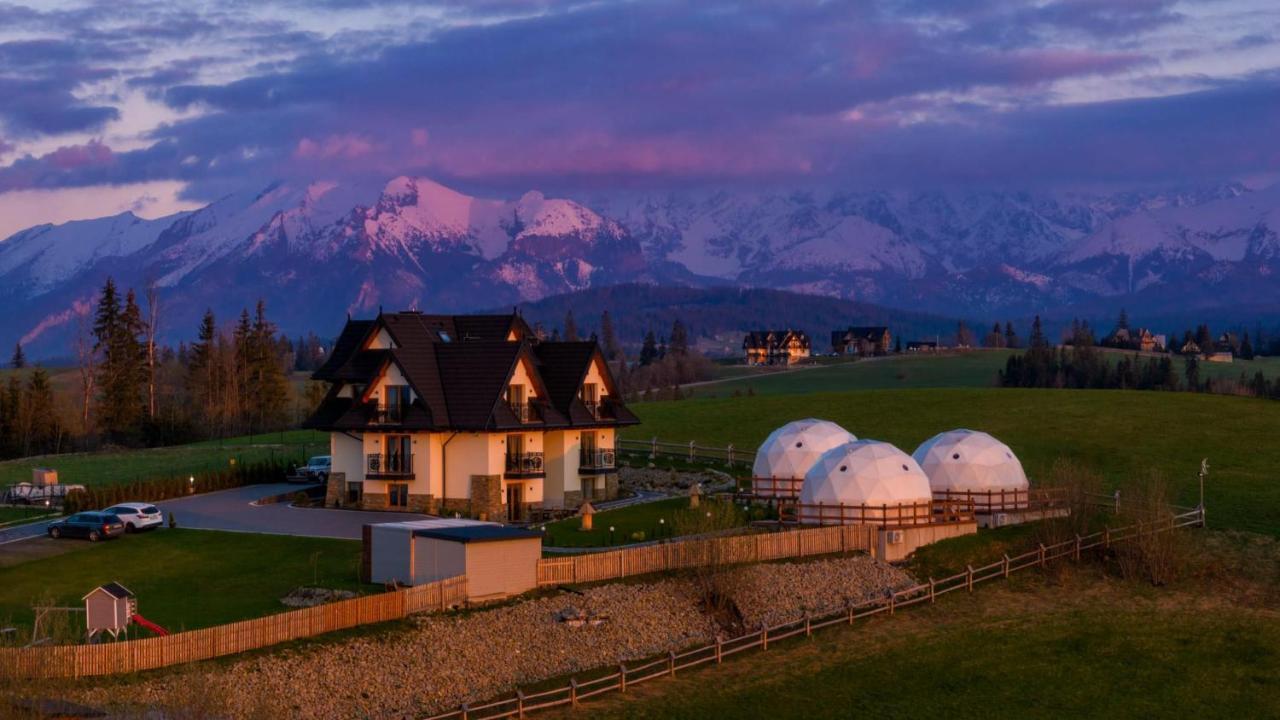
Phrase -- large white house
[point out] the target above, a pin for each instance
(467, 413)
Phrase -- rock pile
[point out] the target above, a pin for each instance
(767, 595)
(312, 596)
(674, 482)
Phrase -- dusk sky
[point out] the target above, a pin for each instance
(159, 106)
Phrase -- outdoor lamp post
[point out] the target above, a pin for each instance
(662, 522)
(191, 483)
(610, 534)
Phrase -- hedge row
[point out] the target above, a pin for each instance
(164, 488)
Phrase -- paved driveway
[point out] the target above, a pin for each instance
(234, 510)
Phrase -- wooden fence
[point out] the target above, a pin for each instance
(993, 501)
(149, 653)
(757, 547)
(623, 676)
(929, 512)
(689, 452)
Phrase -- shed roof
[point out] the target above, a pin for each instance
(114, 589)
(477, 533)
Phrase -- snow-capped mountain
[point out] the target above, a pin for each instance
(317, 251)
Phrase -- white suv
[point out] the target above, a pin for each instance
(137, 516)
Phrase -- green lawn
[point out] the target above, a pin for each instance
(1121, 434)
(118, 466)
(17, 514)
(184, 579)
(643, 517)
(1014, 651)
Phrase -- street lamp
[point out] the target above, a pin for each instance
(610, 534)
(661, 525)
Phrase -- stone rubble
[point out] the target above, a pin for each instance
(441, 661)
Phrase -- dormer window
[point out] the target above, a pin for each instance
(590, 396)
(444, 337)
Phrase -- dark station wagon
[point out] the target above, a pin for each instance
(94, 526)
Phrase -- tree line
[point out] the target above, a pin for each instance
(130, 390)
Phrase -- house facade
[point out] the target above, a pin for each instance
(469, 414)
(861, 340)
(775, 347)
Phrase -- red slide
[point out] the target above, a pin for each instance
(150, 625)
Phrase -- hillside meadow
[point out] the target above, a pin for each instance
(1121, 434)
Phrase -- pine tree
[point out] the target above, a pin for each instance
(1246, 347)
(609, 337)
(1010, 337)
(238, 383)
(1122, 322)
(662, 346)
(10, 414)
(897, 345)
(268, 385)
(679, 339)
(202, 369)
(649, 350)
(19, 360)
(1037, 334)
(40, 427)
(121, 373)
(570, 327)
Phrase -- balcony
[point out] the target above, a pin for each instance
(388, 467)
(387, 414)
(525, 412)
(594, 462)
(525, 465)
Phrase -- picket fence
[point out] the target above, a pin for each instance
(622, 677)
(70, 661)
(730, 550)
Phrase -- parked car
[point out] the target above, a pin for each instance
(316, 469)
(94, 526)
(137, 516)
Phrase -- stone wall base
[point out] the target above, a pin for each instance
(610, 486)
(335, 491)
(449, 506)
(375, 501)
(421, 504)
(486, 498)
(573, 499)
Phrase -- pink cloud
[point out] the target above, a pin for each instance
(348, 146)
(72, 157)
(418, 136)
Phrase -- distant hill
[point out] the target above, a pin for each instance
(712, 313)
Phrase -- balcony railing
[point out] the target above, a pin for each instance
(528, 464)
(599, 460)
(388, 414)
(380, 465)
(593, 407)
(525, 412)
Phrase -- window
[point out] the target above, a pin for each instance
(397, 401)
(355, 493)
(398, 495)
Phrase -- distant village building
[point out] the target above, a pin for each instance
(1223, 349)
(1141, 339)
(775, 347)
(1189, 348)
(861, 340)
(918, 346)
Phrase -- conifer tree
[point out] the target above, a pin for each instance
(268, 385)
(570, 327)
(649, 350)
(202, 375)
(609, 337)
(38, 418)
(19, 360)
(121, 372)
(679, 339)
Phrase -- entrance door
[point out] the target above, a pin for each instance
(399, 449)
(513, 502)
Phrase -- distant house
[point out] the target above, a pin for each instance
(861, 340)
(775, 347)
(1223, 349)
(1189, 348)
(918, 346)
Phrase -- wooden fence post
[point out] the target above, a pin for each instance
(671, 663)
(520, 703)
(932, 594)
(622, 677)
(573, 692)
(808, 629)
(464, 711)
(969, 577)
(692, 445)
(764, 639)
(1006, 566)
(719, 650)
(1077, 558)
(1042, 551)
(729, 452)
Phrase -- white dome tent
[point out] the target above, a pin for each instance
(874, 482)
(971, 465)
(788, 453)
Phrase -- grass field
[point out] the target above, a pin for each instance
(643, 518)
(976, 368)
(115, 466)
(1121, 434)
(184, 579)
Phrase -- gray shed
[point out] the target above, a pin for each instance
(498, 560)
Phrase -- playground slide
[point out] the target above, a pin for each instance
(149, 625)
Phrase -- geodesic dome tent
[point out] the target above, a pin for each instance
(965, 463)
(788, 453)
(873, 481)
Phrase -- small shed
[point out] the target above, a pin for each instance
(498, 560)
(109, 608)
(44, 476)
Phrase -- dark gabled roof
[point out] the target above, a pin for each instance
(866, 332)
(772, 338)
(348, 342)
(459, 367)
(114, 589)
(476, 533)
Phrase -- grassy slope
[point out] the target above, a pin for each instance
(643, 518)
(184, 579)
(131, 465)
(977, 368)
(1027, 650)
(1120, 433)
